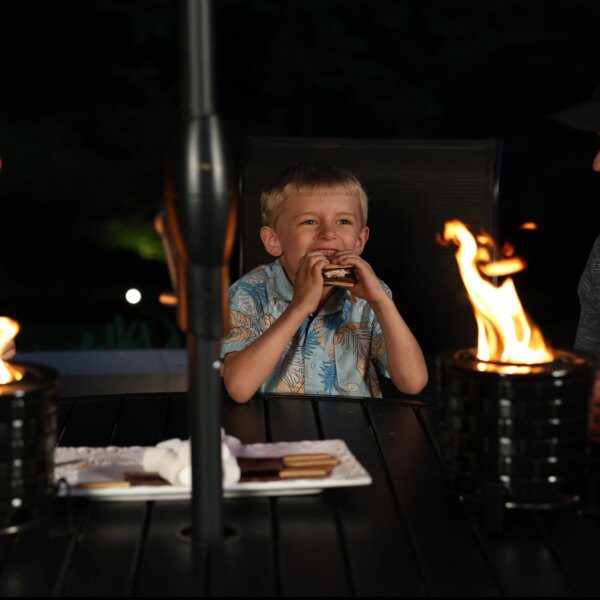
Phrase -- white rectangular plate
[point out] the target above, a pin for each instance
(85, 464)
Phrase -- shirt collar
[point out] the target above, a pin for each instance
(283, 287)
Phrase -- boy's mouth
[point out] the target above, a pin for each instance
(326, 251)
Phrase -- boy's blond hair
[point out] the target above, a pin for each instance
(307, 178)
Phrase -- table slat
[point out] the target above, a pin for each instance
(63, 411)
(244, 565)
(519, 557)
(113, 530)
(452, 561)
(36, 559)
(177, 420)
(574, 539)
(35, 550)
(103, 562)
(249, 553)
(523, 561)
(5, 544)
(141, 421)
(311, 553)
(250, 517)
(92, 422)
(378, 544)
(244, 421)
(291, 419)
(167, 565)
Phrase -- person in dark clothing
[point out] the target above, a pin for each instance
(586, 117)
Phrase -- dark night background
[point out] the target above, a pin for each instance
(89, 105)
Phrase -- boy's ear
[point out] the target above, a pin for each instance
(363, 236)
(270, 241)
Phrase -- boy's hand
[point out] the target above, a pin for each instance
(368, 287)
(308, 282)
(8, 351)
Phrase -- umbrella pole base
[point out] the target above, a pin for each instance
(185, 534)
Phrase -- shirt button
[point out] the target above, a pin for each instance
(313, 365)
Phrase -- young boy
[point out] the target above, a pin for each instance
(290, 333)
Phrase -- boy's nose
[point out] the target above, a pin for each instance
(327, 231)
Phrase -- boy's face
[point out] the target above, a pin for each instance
(318, 223)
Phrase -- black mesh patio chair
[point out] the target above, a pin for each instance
(414, 186)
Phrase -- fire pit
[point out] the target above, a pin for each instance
(525, 430)
(515, 410)
(27, 440)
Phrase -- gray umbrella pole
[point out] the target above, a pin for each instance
(201, 213)
(204, 409)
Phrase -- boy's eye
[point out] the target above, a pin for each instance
(345, 222)
(308, 222)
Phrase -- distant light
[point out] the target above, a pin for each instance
(529, 226)
(133, 296)
(168, 299)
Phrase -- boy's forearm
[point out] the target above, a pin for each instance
(244, 373)
(406, 363)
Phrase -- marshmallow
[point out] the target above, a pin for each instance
(185, 476)
(169, 468)
(184, 453)
(232, 443)
(172, 444)
(172, 460)
(153, 457)
(231, 471)
(226, 453)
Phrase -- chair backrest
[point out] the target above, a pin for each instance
(414, 186)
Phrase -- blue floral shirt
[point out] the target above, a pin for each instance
(333, 352)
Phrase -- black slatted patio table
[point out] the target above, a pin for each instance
(406, 534)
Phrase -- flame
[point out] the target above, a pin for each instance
(508, 266)
(483, 239)
(8, 330)
(505, 334)
(508, 250)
